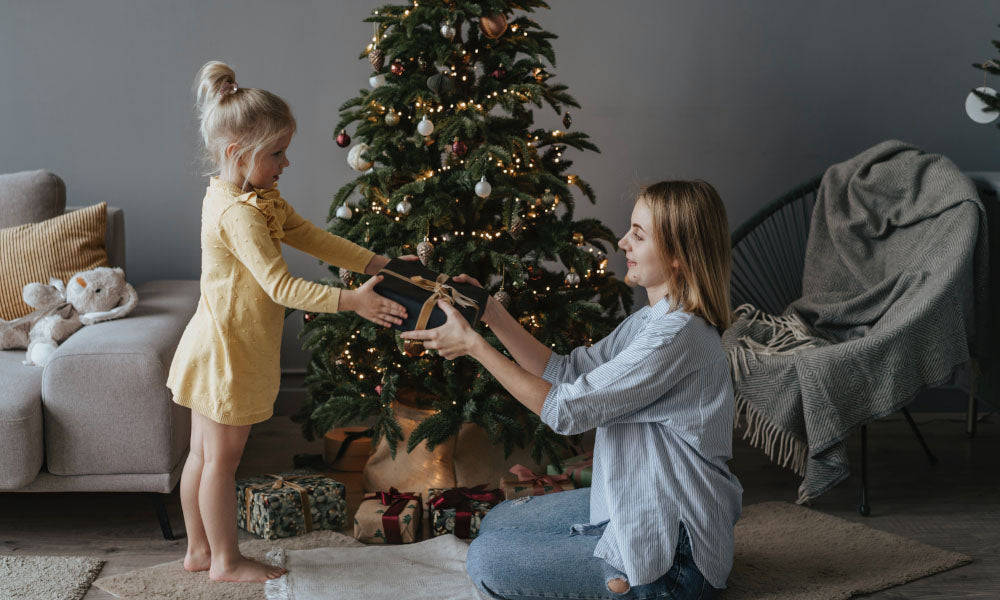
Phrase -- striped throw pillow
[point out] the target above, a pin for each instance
(57, 247)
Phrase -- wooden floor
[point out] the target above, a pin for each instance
(953, 505)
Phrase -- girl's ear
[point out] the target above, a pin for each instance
(231, 150)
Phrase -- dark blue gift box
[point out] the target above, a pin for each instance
(398, 284)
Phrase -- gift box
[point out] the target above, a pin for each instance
(389, 518)
(460, 511)
(418, 289)
(289, 504)
(530, 484)
(579, 469)
(347, 448)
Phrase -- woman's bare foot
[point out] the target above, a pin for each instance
(197, 560)
(244, 569)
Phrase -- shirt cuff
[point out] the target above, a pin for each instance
(550, 408)
(553, 368)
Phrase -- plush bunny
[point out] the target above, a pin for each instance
(92, 296)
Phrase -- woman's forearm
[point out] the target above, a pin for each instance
(531, 354)
(528, 388)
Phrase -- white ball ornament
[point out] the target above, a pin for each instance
(976, 108)
(404, 207)
(448, 31)
(376, 80)
(355, 159)
(344, 212)
(425, 127)
(483, 188)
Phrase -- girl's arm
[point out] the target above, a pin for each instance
(302, 234)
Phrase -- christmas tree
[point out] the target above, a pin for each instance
(452, 168)
(992, 66)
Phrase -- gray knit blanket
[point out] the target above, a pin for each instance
(894, 278)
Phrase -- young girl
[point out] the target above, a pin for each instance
(226, 367)
(659, 518)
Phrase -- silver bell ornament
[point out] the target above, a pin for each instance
(425, 251)
(425, 127)
(346, 275)
(344, 212)
(404, 207)
(483, 188)
(503, 298)
(572, 278)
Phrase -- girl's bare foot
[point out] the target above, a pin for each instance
(197, 560)
(244, 569)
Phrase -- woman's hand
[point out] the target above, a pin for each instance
(453, 339)
(377, 309)
(492, 306)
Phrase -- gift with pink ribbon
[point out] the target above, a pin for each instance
(579, 468)
(529, 483)
(391, 517)
(460, 510)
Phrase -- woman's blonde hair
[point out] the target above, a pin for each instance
(252, 118)
(690, 227)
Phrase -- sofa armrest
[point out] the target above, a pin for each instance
(105, 403)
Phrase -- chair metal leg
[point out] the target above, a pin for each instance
(863, 509)
(161, 515)
(920, 438)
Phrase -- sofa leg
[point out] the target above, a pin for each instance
(161, 514)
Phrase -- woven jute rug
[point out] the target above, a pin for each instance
(783, 552)
(47, 577)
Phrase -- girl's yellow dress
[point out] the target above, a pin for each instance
(226, 365)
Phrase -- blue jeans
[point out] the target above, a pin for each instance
(526, 549)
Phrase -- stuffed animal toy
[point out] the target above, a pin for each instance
(90, 297)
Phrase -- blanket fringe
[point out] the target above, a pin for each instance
(276, 589)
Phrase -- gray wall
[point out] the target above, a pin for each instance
(752, 96)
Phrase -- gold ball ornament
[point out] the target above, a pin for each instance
(493, 26)
(578, 238)
(548, 197)
(414, 349)
(425, 251)
(392, 118)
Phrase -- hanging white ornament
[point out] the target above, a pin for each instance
(572, 278)
(448, 31)
(483, 188)
(404, 207)
(425, 127)
(376, 80)
(354, 158)
(344, 212)
(976, 108)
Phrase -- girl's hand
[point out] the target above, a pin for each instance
(492, 306)
(377, 309)
(453, 339)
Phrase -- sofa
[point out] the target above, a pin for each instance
(98, 417)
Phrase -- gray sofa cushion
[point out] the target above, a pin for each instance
(30, 197)
(106, 406)
(21, 445)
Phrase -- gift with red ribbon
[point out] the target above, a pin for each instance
(460, 510)
(391, 517)
(530, 484)
(579, 468)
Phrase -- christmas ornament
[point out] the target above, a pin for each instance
(308, 317)
(548, 197)
(502, 297)
(578, 238)
(376, 80)
(355, 159)
(483, 188)
(516, 227)
(346, 275)
(493, 26)
(343, 140)
(392, 118)
(459, 147)
(567, 120)
(448, 158)
(572, 278)
(377, 58)
(440, 83)
(422, 63)
(448, 31)
(425, 127)
(344, 212)
(539, 74)
(976, 108)
(499, 73)
(414, 349)
(378, 389)
(404, 207)
(397, 67)
(425, 251)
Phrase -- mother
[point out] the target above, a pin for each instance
(658, 521)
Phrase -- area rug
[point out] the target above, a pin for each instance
(783, 552)
(47, 577)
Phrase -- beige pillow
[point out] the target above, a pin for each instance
(57, 247)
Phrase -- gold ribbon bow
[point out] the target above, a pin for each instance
(439, 290)
(277, 485)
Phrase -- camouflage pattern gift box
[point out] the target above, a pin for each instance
(389, 518)
(530, 484)
(460, 511)
(579, 469)
(289, 504)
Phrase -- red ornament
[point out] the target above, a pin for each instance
(397, 67)
(309, 317)
(499, 73)
(378, 389)
(343, 140)
(459, 147)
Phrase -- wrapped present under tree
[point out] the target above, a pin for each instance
(391, 517)
(460, 511)
(530, 484)
(289, 504)
(579, 469)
